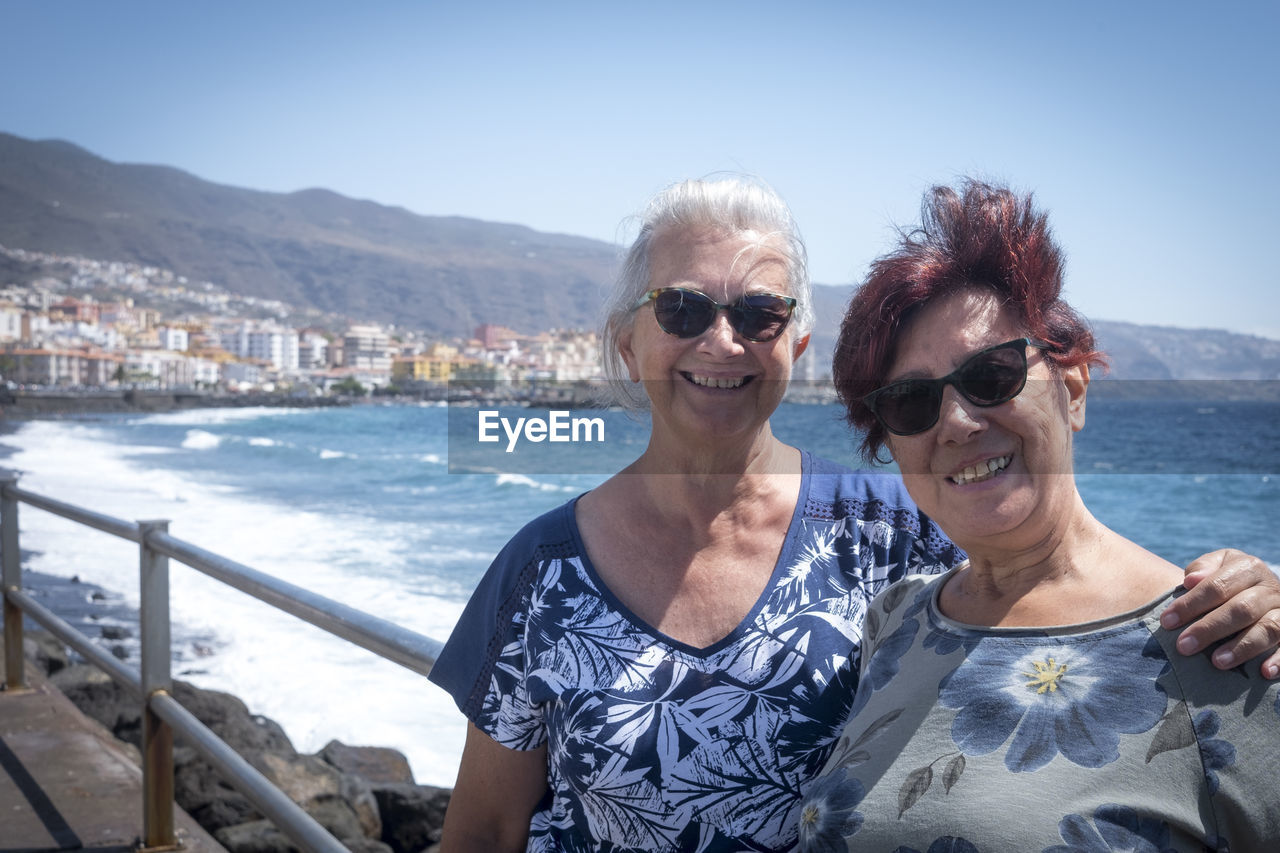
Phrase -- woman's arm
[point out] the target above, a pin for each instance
(497, 790)
(1232, 593)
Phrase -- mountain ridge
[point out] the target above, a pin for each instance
(311, 248)
(315, 248)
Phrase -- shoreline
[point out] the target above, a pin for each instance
(26, 404)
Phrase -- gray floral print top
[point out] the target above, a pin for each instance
(658, 746)
(1097, 737)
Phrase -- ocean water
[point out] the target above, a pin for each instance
(360, 504)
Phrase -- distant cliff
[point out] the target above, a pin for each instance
(1135, 351)
(1162, 352)
(313, 248)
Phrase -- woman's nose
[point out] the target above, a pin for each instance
(720, 335)
(958, 418)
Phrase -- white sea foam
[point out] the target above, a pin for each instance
(315, 685)
(199, 439)
(523, 480)
(325, 453)
(258, 441)
(214, 417)
(410, 490)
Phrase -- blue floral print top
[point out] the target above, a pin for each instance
(658, 746)
(1097, 737)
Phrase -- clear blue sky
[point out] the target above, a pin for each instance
(1148, 129)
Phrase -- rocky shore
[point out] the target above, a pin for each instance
(365, 796)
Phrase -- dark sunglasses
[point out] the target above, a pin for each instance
(989, 377)
(758, 317)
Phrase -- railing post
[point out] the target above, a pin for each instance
(11, 567)
(157, 735)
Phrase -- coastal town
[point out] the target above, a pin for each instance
(82, 323)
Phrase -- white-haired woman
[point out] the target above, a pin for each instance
(664, 662)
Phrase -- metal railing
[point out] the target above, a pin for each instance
(152, 684)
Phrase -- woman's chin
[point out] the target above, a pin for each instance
(978, 512)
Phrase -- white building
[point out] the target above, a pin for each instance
(268, 342)
(367, 348)
(566, 356)
(41, 366)
(172, 338)
(72, 333)
(10, 323)
(241, 374)
(160, 369)
(206, 371)
(37, 328)
(313, 351)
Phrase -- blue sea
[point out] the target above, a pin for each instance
(367, 506)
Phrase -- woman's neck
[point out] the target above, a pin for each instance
(761, 453)
(1078, 571)
(703, 486)
(719, 536)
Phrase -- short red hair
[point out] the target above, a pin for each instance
(982, 236)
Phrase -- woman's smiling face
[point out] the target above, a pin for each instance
(986, 474)
(715, 385)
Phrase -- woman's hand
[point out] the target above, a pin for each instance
(1230, 593)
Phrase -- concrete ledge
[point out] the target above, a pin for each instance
(66, 783)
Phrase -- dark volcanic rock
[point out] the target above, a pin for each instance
(229, 718)
(378, 764)
(46, 652)
(412, 815)
(262, 837)
(97, 696)
(258, 836)
(364, 796)
(202, 793)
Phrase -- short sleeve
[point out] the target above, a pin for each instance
(483, 666)
(1236, 719)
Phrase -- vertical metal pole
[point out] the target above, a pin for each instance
(157, 735)
(11, 567)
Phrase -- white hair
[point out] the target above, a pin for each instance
(731, 206)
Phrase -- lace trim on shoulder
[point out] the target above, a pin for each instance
(514, 601)
(900, 518)
(937, 543)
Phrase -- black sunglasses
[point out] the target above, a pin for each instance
(685, 313)
(989, 377)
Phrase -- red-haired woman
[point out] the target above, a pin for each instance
(1029, 698)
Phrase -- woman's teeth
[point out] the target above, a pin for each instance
(982, 471)
(716, 382)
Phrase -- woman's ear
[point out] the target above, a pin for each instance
(1076, 381)
(628, 354)
(800, 347)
